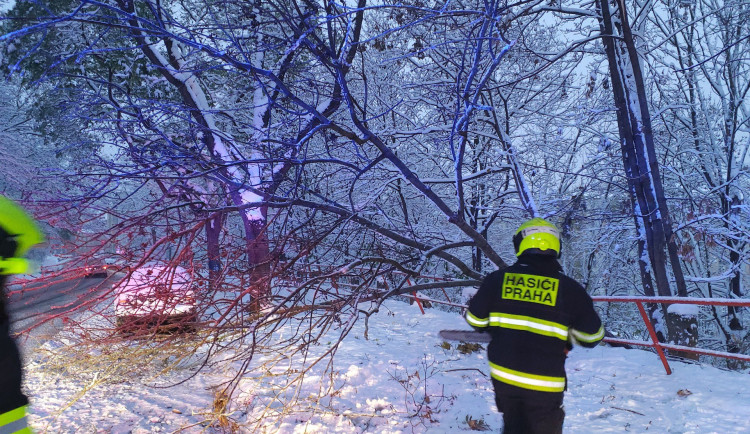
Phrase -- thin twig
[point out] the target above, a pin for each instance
(466, 369)
(625, 409)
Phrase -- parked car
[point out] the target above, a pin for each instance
(98, 270)
(103, 268)
(156, 295)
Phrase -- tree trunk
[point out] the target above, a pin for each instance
(258, 256)
(736, 328)
(657, 246)
(258, 252)
(213, 250)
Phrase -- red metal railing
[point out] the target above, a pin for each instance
(654, 343)
(660, 347)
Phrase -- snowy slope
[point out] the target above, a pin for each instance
(380, 385)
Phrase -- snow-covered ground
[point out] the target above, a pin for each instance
(402, 379)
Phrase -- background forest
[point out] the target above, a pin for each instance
(304, 156)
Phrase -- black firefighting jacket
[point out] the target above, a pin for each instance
(10, 363)
(532, 312)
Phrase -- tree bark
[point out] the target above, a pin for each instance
(213, 250)
(657, 246)
(258, 257)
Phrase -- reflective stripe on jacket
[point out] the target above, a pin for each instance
(533, 312)
(14, 422)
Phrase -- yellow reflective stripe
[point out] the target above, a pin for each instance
(14, 422)
(524, 380)
(20, 426)
(585, 337)
(476, 321)
(529, 324)
(13, 265)
(12, 415)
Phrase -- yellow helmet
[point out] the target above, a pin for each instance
(18, 230)
(537, 234)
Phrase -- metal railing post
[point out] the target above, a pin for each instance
(448, 299)
(414, 293)
(654, 339)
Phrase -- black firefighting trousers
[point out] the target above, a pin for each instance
(10, 372)
(10, 375)
(528, 411)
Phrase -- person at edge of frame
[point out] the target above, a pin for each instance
(18, 233)
(533, 313)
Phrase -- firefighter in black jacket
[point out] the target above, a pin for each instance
(534, 313)
(17, 234)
